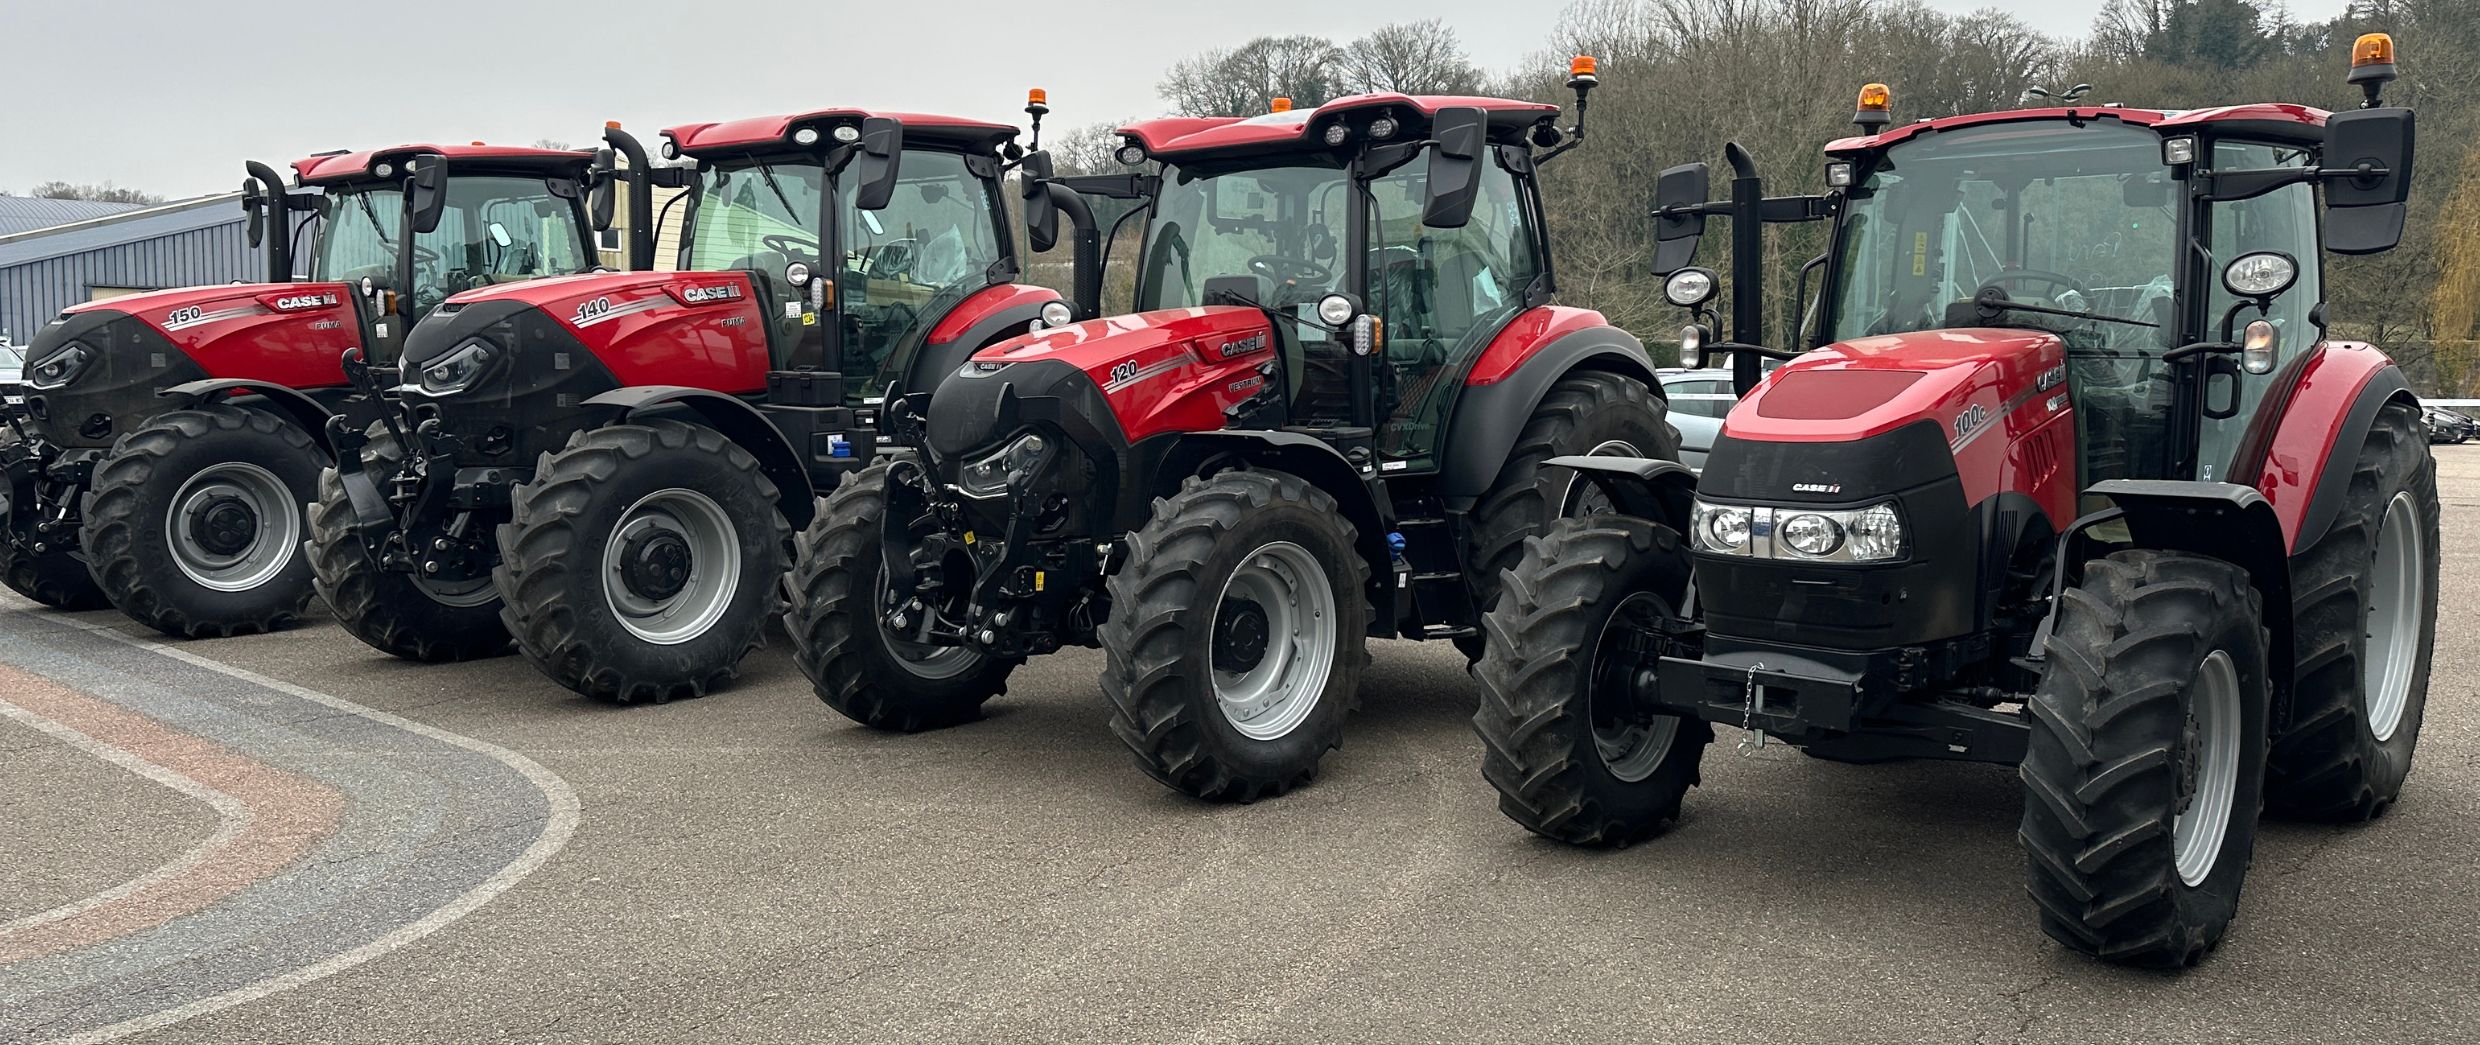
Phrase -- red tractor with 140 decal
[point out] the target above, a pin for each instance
(1326, 422)
(169, 439)
(610, 467)
(2072, 478)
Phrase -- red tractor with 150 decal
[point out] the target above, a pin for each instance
(170, 439)
(610, 467)
(1326, 422)
(2072, 478)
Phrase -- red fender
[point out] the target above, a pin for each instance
(2325, 415)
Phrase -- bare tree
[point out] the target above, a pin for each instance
(552, 143)
(1244, 81)
(104, 193)
(1421, 57)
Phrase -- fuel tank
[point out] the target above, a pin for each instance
(121, 351)
(1124, 378)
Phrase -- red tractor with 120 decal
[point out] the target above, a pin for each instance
(1327, 422)
(2072, 478)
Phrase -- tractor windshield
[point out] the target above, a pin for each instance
(1279, 235)
(2071, 219)
(494, 229)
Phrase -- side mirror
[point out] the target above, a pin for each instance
(605, 176)
(254, 203)
(1041, 213)
(1679, 193)
(430, 194)
(2367, 174)
(1455, 167)
(882, 143)
(499, 234)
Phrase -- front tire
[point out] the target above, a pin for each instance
(1237, 636)
(1562, 738)
(839, 635)
(2145, 773)
(2365, 598)
(53, 576)
(397, 613)
(642, 562)
(194, 524)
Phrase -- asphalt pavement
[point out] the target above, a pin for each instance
(293, 838)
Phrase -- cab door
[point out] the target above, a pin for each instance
(2283, 220)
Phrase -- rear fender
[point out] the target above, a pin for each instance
(1204, 453)
(2226, 521)
(2311, 434)
(1487, 419)
(739, 422)
(1640, 486)
(976, 324)
(282, 401)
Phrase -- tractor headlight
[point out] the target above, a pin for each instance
(1057, 314)
(1852, 535)
(60, 367)
(988, 476)
(456, 371)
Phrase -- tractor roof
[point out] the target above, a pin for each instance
(350, 166)
(2295, 124)
(1180, 137)
(777, 130)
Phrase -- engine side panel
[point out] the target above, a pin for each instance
(701, 330)
(1173, 370)
(291, 334)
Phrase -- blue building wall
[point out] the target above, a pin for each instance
(185, 244)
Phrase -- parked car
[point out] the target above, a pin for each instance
(1698, 400)
(12, 371)
(2448, 426)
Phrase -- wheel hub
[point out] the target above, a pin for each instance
(2191, 752)
(224, 526)
(655, 563)
(1240, 635)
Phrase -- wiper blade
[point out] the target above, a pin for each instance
(1992, 302)
(768, 173)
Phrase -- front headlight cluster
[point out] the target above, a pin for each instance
(1871, 534)
(456, 371)
(60, 367)
(988, 477)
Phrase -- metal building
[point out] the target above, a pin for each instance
(88, 252)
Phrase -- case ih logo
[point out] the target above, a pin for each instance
(2050, 378)
(593, 310)
(1243, 346)
(702, 295)
(1816, 487)
(298, 302)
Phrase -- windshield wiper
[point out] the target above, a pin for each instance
(768, 173)
(376, 228)
(1992, 303)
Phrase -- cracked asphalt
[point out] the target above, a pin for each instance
(752, 868)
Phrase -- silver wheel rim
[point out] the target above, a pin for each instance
(2396, 590)
(225, 487)
(460, 595)
(1274, 695)
(1630, 749)
(714, 567)
(920, 659)
(2197, 831)
(1584, 498)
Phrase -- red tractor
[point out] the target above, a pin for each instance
(169, 439)
(611, 467)
(1326, 422)
(2072, 477)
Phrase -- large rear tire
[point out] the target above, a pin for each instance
(1562, 738)
(47, 572)
(2146, 769)
(643, 561)
(838, 626)
(2365, 613)
(1237, 636)
(397, 613)
(1587, 412)
(194, 524)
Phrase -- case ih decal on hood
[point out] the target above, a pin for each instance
(1174, 370)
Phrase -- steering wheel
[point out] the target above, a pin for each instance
(1283, 269)
(2037, 275)
(892, 258)
(790, 246)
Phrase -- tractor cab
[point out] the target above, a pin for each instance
(478, 215)
(860, 233)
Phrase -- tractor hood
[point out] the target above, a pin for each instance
(698, 329)
(1851, 390)
(1140, 375)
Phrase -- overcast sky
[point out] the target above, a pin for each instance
(170, 96)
